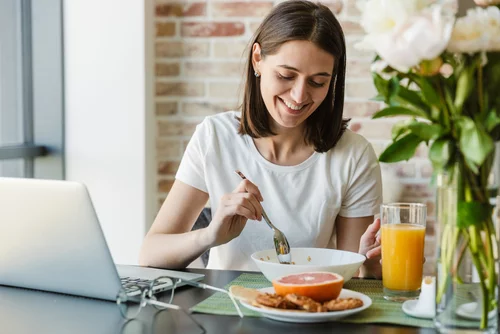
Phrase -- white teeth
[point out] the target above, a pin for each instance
(291, 106)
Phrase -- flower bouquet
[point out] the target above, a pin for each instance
(441, 75)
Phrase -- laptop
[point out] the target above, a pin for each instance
(51, 240)
(23, 311)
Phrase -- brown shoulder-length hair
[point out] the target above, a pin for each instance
(291, 21)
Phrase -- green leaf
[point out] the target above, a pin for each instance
(386, 88)
(400, 128)
(411, 100)
(393, 88)
(402, 149)
(398, 111)
(381, 84)
(492, 120)
(475, 143)
(425, 131)
(448, 98)
(378, 98)
(472, 213)
(440, 153)
(429, 93)
(472, 166)
(435, 113)
(465, 85)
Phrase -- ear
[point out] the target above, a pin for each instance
(256, 57)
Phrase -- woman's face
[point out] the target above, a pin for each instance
(294, 81)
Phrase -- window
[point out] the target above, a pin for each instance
(31, 89)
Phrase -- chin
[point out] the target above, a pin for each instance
(288, 122)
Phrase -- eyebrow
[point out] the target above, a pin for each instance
(322, 74)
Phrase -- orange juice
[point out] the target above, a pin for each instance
(402, 256)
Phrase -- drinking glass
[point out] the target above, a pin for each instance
(402, 235)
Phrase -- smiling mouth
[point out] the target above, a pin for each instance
(292, 107)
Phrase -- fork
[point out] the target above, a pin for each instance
(280, 242)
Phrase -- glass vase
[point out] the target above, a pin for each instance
(467, 256)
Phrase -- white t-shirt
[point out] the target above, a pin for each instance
(302, 201)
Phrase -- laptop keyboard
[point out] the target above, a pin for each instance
(129, 284)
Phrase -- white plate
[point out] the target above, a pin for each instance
(471, 311)
(409, 308)
(291, 316)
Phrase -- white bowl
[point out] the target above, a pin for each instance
(309, 259)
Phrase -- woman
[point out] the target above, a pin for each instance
(320, 183)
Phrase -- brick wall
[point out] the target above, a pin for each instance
(199, 64)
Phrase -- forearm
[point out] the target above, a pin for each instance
(173, 251)
(360, 235)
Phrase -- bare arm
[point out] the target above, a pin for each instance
(359, 235)
(170, 243)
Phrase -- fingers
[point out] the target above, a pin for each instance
(374, 252)
(233, 210)
(246, 186)
(245, 200)
(371, 234)
(372, 230)
(228, 222)
(252, 196)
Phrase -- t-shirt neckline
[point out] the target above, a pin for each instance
(259, 158)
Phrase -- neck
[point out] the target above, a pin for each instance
(287, 148)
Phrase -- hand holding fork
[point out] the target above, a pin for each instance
(280, 241)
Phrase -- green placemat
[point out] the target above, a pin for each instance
(381, 311)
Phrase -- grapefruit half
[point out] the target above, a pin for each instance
(320, 286)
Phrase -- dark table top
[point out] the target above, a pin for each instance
(29, 311)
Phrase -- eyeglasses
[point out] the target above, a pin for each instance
(143, 295)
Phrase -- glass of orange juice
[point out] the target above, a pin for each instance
(402, 237)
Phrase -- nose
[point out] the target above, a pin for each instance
(299, 91)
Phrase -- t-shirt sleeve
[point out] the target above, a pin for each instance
(363, 195)
(191, 170)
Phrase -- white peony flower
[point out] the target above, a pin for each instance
(382, 16)
(379, 16)
(492, 23)
(478, 31)
(380, 67)
(423, 34)
(450, 6)
(467, 35)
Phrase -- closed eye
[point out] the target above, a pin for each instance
(311, 82)
(281, 76)
(316, 84)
